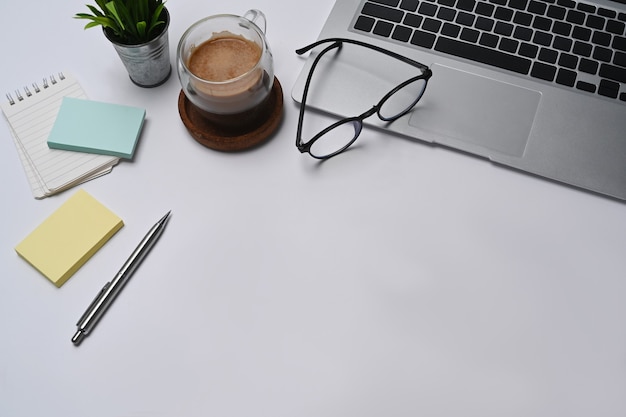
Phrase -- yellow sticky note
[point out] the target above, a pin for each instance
(60, 245)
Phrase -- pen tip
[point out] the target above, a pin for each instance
(165, 219)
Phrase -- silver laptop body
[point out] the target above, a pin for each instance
(551, 130)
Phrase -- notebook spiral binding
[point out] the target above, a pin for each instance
(45, 84)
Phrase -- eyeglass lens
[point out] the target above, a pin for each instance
(335, 138)
(402, 100)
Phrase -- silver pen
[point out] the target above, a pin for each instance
(111, 289)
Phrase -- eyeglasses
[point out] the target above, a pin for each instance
(338, 137)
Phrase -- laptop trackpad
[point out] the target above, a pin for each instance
(463, 108)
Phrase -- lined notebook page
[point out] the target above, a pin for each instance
(31, 114)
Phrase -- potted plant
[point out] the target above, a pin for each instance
(138, 31)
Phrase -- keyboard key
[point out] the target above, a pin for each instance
(536, 7)
(518, 4)
(602, 54)
(619, 43)
(466, 19)
(528, 50)
(504, 29)
(620, 59)
(488, 39)
(467, 5)
(562, 44)
(581, 33)
(562, 28)
(582, 49)
(523, 34)
(608, 89)
(427, 9)
(402, 33)
(543, 71)
(383, 12)
(450, 29)
(364, 23)
(607, 12)
(483, 55)
(613, 73)
(568, 61)
(595, 22)
(423, 39)
(615, 27)
(556, 12)
(446, 13)
(588, 66)
(431, 25)
(575, 17)
(485, 9)
(584, 86)
(392, 3)
(508, 45)
(570, 4)
(543, 38)
(566, 77)
(503, 14)
(523, 19)
(601, 38)
(588, 8)
(542, 23)
(470, 35)
(383, 28)
(548, 55)
(484, 24)
(413, 20)
(409, 5)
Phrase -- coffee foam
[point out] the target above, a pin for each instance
(224, 57)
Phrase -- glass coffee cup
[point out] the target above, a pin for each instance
(226, 70)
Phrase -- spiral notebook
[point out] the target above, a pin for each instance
(31, 113)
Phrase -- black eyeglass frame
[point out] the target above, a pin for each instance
(356, 120)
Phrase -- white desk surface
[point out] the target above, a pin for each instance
(398, 279)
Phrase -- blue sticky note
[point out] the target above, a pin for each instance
(95, 127)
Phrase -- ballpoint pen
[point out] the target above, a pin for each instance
(111, 289)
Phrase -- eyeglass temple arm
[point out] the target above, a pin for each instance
(366, 45)
(307, 84)
(307, 48)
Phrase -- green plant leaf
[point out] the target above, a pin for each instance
(141, 29)
(110, 6)
(102, 4)
(130, 21)
(103, 23)
(95, 11)
(142, 11)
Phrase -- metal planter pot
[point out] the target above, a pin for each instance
(148, 64)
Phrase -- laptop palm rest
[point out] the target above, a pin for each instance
(455, 100)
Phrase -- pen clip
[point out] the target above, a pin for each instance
(93, 303)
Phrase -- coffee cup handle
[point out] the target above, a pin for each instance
(257, 17)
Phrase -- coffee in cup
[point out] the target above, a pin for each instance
(226, 70)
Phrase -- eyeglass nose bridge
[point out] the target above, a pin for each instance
(370, 112)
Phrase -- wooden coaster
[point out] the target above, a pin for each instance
(209, 135)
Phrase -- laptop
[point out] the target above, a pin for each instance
(535, 85)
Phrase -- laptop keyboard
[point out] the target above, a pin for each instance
(569, 43)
